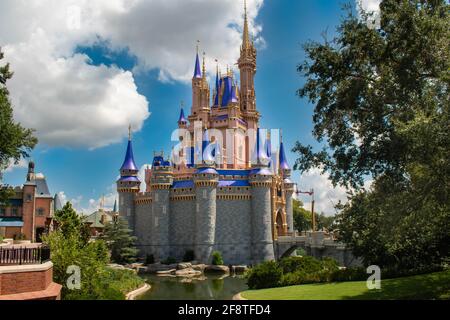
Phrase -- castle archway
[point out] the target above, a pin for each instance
(279, 222)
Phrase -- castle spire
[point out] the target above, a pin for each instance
(182, 119)
(197, 71)
(245, 37)
(216, 98)
(283, 160)
(128, 163)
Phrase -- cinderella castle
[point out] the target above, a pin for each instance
(230, 195)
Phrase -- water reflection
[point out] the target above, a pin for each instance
(211, 287)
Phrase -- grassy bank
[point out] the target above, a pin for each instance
(428, 286)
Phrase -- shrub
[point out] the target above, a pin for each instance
(265, 275)
(1, 238)
(189, 255)
(149, 259)
(306, 264)
(20, 236)
(169, 260)
(349, 274)
(217, 258)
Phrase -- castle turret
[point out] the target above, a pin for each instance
(128, 185)
(247, 67)
(260, 178)
(200, 92)
(161, 181)
(285, 171)
(206, 179)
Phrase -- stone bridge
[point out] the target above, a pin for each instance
(317, 244)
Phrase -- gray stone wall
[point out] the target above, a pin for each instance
(127, 209)
(261, 225)
(160, 223)
(233, 232)
(182, 228)
(205, 219)
(143, 228)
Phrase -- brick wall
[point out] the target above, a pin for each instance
(27, 281)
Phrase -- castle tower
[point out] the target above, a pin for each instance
(128, 185)
(285, 171)
(206, 179)
(247, 67)
(200, 93)
(260, 179)
(161, 181)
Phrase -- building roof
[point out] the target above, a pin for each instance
(11, 222)
(197, 71)
(182, 118)
(233, 172)
(234, 183)
(184, 184)
(42, 187)
(283, 160)
(128, 163)
(129, 179)
(96, 218)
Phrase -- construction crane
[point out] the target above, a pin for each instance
(313, 215)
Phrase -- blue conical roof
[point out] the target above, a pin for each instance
(197, 70)
(216, 98)
(128, 163)
(283, 160)
(227, 91)
(261, 155)
(182, 118)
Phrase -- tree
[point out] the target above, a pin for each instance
(16, 142)
(302, 217)
(381, 100)
(120, 241)
(69, 248)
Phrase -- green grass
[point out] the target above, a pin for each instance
(428, 286)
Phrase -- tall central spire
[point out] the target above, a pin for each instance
(245, 38)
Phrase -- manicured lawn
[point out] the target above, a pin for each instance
(428, 286)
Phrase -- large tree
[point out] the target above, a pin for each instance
(381, 95)
(120, 241)
(15, 141)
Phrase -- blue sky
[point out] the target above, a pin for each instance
(84, 173)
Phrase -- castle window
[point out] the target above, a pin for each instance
(40, 211)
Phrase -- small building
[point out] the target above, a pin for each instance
(28, 214)
(99, 219)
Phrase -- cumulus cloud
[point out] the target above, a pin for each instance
(325, 195)
(12, 165)
(74, 103)
(371, 6)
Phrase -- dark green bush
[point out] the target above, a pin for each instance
(217, 258)
(306, 264)
(149, 259)
(189, 256)
(349, 274)
(264, 275)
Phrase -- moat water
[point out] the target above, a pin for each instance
(208, 287)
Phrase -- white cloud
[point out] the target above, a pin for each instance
(141, 176)
(325, 195)
(370, 6)
(21, 164)
(74, 103)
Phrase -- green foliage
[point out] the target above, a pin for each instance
(189, 255)
(265, 275)
(16, 142)
(302, 217)
(217, 259)
(350, 274)
(20, 236)
(69, 221)
(382, 109)
(149, 259)
(291, 271)
(120, 241)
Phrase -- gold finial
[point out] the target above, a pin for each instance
(281, 135)
(182, 104)
(129, 132)
(198, 45)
